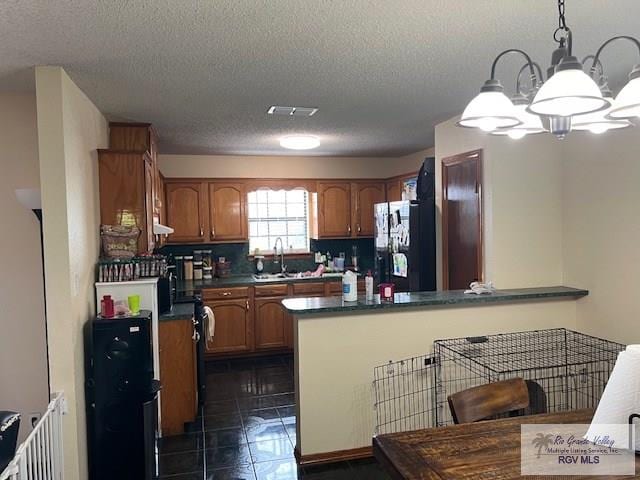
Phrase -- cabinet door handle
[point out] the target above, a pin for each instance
(349, 228)
(226, 294)
(247, 304)
(201, 232)
(213, 232)
(359, 228)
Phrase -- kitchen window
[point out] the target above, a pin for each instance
(279, 213)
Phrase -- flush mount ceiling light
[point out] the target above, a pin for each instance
(568, 99)
(300, 142)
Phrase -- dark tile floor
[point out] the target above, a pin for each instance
(247, 430)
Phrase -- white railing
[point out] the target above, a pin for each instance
(40, 456)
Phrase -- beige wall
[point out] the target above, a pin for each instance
(228, 166)
(522, 199)
(70, 129)
(336, 355)
(601, 180)
(23, 361)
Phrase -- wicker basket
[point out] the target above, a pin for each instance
(119, 241)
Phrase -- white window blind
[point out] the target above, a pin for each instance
(279, 213)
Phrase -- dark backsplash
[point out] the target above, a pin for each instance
(238, 254)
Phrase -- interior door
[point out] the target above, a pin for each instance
(233, 327)
(186, 204)
(227, 210)
(365, 196)
(334, 212)
(462, 250)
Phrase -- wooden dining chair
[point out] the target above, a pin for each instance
(486, 401)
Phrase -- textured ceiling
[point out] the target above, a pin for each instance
(382, 72)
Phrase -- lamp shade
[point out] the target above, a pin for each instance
(531, 124)
(568, 92)
(489, 111)
(627, 103)
(598, 122)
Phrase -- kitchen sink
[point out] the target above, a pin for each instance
(266, 277)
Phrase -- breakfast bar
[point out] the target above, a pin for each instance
(338, 344)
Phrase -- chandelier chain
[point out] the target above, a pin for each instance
(562, 21)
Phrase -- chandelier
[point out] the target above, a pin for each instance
(568, 100)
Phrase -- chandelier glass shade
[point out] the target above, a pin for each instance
(598, 122)
(627, 103)
(531, 124)
(569, 99)
(568, 93)
(489, 111)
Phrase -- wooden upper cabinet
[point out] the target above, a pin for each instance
(227, 211)
(149, 202)
(334, 209)
(364, 196)
(234, 326)
(133, 137)
(186, 210)
(271, 324)
(126, 193)
(162, 212)
(394, 190)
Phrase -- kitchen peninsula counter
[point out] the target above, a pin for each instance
(337, 346)
(306, 306)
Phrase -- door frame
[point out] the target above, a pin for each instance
(447, 162)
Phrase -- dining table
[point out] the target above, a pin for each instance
(483, 450)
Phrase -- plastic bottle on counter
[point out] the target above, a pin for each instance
(350, 287)
(368, 286)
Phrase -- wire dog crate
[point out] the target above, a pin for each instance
(563, 369)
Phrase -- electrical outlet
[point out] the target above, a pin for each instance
(34, 418)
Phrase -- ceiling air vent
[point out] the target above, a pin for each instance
(292, 111)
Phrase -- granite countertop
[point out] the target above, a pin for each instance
(179, 311)
(245, 280)
(304, 306)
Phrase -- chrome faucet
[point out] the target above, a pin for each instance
(283, 267)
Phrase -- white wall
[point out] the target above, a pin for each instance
(522, 201)
(336, 355)
(70, 129)
(229, 166)
(563, 212)
(23, 361)
(601, 180)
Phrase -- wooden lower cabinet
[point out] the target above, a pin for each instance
(271, 324)
(250, 320)
(234, 326)
(178, 397)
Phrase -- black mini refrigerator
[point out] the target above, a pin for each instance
(122, 398)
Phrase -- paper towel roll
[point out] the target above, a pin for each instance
(620, 399)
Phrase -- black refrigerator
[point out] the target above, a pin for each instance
(405, 237)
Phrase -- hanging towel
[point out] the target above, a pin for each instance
(211, 323)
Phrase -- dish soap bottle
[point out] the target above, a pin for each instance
(349, 287)
(368, 286)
